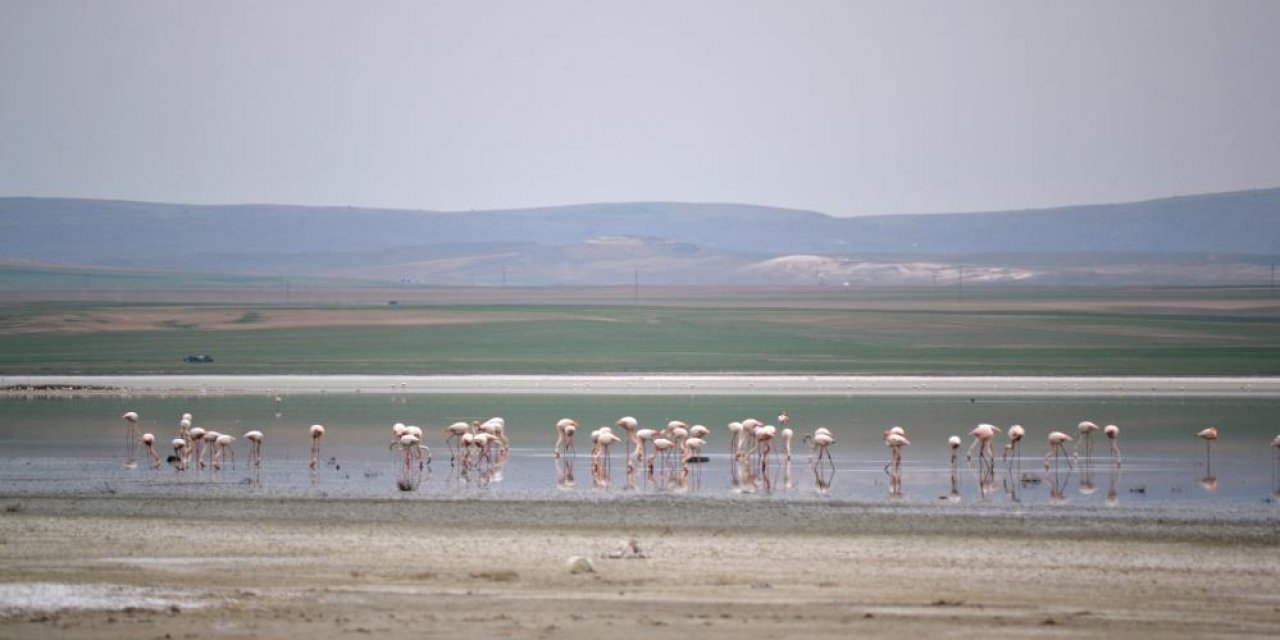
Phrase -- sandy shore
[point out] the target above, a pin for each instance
(112, 566)
(652, 385)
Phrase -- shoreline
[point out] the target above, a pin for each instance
(101, 567)
(658, 513)
(645, 384)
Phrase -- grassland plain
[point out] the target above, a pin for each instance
(1219, 331)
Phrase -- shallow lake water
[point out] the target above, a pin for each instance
(76, 445)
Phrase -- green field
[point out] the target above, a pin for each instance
(992, 332)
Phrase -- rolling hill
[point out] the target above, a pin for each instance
(1212, 238)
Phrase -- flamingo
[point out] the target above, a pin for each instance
(131, 438)
(822, 439)
(422, 451)
(629, 424)
(982, 436)
(662, 447)
(179, 458)
(764, 444)
(565, 428)
(895, 442)
(255, 447)
(1086, 438)
(1057, 440)
(692, 447)
(735, 436)
(600, 458)
(150, 441)
(677, 431)
(1208, 435)
(642, 438)
(453, 434)
(210, 441)
(747, 438)
(317, 432)
(953, 443)
(1113, 436)
(497, 427)
(407, 442)
(787, 435)
(195, 445)
(1016, 432)
(223, 441)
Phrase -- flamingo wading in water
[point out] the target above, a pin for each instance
(1057, 442)
(1113, 437)
(317, 432)
(131, 438)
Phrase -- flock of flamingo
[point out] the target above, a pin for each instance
(669, 457)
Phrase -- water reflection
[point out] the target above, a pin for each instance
(1113, 483)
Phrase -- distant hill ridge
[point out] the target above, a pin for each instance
(550, 245)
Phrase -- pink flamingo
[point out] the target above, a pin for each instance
(602, 438)
(764, 445)
(255, 447)
(453, 435)
(641, 454)
(1016, 432)
(895, 442)
(565, 428)
(1087, 430)
(821, 441)
(317, 432)
(421, 451)
(210, 441)
(196, 445)
(953, 443)
(150, 441)
(497, 428)
(1208, 435)
(406, 443)
(1057, 442)
(180, 454)
(692, 448)
(131, 438)
(224, 442)
(662, 447)
(982, 436)
(1113, 436)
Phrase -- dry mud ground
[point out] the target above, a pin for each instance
(325, 568)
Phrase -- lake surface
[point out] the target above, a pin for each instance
(52, 445)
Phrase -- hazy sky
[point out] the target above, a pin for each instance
(844, 107)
